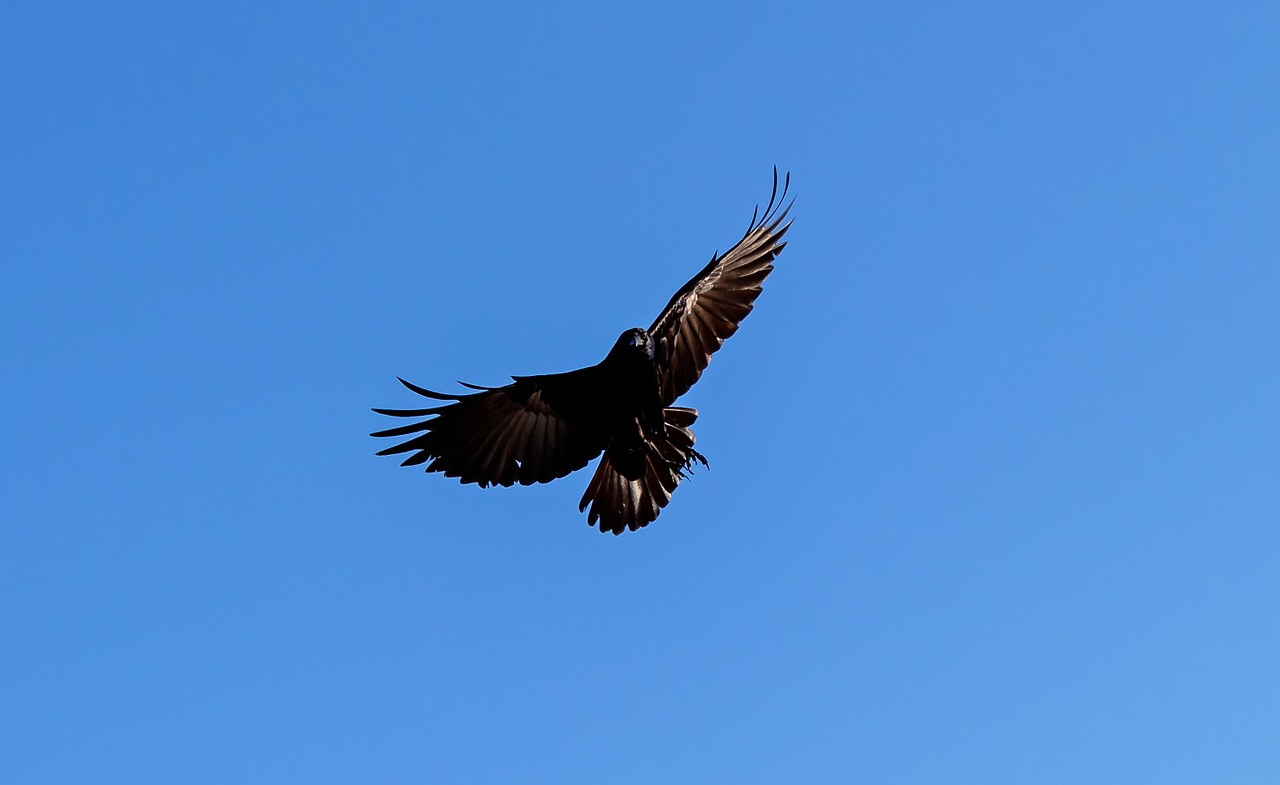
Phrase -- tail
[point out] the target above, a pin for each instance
(619, 503)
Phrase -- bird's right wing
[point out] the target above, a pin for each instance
(709, 308)
(536, 429)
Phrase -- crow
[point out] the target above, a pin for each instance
(541, 428)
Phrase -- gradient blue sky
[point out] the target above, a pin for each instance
(995, 484)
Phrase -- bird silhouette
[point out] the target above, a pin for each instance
(541, 428)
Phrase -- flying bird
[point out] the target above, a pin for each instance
(541, 428)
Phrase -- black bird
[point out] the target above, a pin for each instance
(540, 428)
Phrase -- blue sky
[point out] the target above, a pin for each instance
(993, 487)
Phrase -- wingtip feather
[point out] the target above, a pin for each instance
(424, 392)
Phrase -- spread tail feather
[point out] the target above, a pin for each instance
(618, 503)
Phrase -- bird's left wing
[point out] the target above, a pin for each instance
(536, 429)
(709, 308)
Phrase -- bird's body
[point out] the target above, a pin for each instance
(632, 387)
(540, 428)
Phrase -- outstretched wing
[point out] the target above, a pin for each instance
(535, 430)
(708, 309)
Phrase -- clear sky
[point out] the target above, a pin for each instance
(995, 487)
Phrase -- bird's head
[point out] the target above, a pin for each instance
(635, 340)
